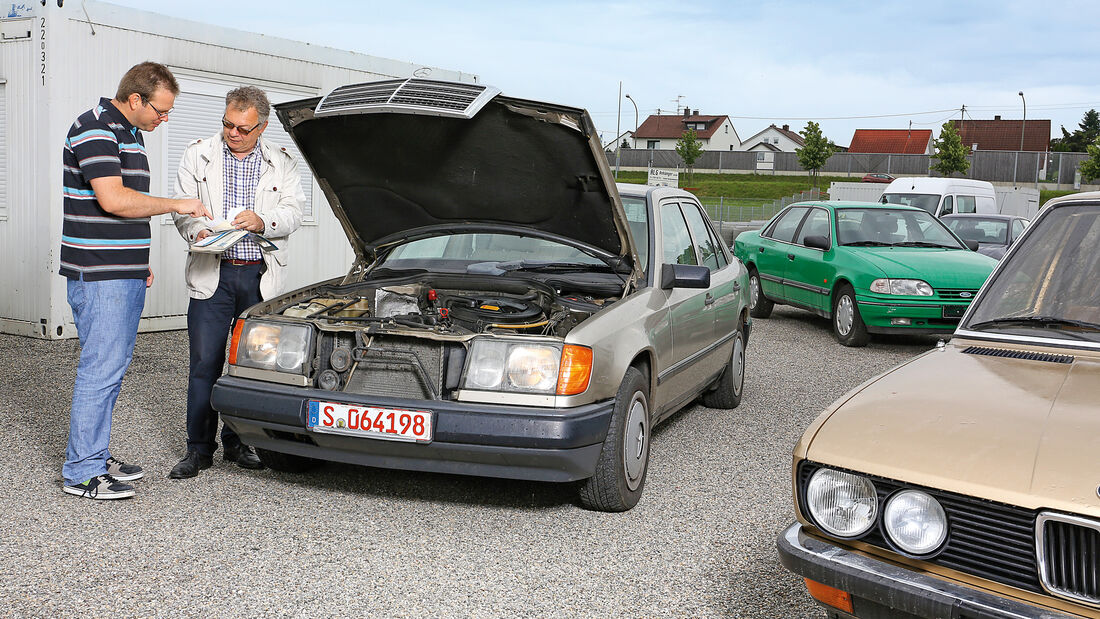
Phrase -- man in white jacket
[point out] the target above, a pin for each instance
(254, 185)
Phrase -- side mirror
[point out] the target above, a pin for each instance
(684, 276)
(817, 241)
(971, 243)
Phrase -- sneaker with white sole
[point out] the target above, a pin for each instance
(101, 487)
(122, 471)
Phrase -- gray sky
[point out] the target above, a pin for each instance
(757, 62)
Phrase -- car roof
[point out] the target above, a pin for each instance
(841, 204)
(980, 216)
(1085, 196)
(637, 190)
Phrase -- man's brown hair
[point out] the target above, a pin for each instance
(144, 79)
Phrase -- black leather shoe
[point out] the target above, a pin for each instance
(190, 466)
(243, 456)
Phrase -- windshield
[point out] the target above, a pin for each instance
(1048, 287)
(991, 231)
(926, 201)
(456, 252)
(891, 227)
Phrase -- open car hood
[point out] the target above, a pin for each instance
(402, 155)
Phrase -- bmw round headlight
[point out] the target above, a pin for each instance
(915, 521)
(842, 504)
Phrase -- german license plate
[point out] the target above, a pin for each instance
(954, 311)
(393, 424)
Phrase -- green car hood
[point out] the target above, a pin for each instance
(941, 268)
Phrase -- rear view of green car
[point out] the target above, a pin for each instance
(868, 267)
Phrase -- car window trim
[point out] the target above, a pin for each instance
(695, 241)
(799, 227)
(832, 231)
(675, 202)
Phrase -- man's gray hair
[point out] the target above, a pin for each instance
(244, 97)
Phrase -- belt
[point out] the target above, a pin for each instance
(242, 263)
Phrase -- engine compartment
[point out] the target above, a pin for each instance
(453, 305)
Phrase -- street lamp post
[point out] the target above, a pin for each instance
(1022, 122)
(635, 136)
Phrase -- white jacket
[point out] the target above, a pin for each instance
(279, 200)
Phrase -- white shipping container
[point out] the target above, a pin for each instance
(56, 62)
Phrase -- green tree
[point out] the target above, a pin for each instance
(1090, 168)
(1086, 133)
(815, 151)
(950, 152)
(690, 149)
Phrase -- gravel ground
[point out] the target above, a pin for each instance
(345, 540)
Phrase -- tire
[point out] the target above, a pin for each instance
(727, 393)
(286, 463)
(624, 459)
(847, 323)
(759, 305)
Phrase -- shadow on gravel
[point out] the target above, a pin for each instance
(432, 487)
(816, 322)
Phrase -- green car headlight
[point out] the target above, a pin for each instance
(271, 346)
(908, 287)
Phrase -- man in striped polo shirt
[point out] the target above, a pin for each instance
(105, 257)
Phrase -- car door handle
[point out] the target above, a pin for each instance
(709, 299)
(736, 286)
(790, 256)
(761, 250)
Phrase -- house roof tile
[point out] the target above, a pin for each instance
(1004, 134)
(897, 141)
(671, 126)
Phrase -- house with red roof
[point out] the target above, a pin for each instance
(1000, 134)
(661, 131)
(774, 139)
(892, 141)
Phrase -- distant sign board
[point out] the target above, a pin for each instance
(663, 178)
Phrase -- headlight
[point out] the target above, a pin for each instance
(501, 365)
(915, 522)
(271, 346)
(841, 503)
(909, 287)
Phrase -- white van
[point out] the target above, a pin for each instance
(942, 196)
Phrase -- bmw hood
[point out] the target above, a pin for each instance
(1006, 423)
(404, 158)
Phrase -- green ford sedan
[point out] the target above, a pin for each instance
(870, 268)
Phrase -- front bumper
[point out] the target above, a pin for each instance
(880, 313)
(882, 589)
(542, 444)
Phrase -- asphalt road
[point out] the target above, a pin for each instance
(355, 541)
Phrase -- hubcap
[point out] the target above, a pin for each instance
(635, 436)
(738, 367)
(845, 315)
(754, 291)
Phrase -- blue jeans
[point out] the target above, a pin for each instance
(106, 314)
(208, 325)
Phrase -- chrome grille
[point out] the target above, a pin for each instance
(961, 294)
(1018, 354)
(410, 96)
(1070, 558)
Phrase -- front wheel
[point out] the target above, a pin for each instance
(624, 459)
(728, 392)
(847, 323)
(759, 305)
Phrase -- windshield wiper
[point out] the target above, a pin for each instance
(924, 244)
(867, 244)
(1042, 322)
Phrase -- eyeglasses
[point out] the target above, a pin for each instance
(241, 130)
(160, 114)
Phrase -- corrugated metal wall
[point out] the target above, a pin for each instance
(45, 94)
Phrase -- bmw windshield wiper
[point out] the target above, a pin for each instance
(1042, 322)
(867, 244)
(925, 244)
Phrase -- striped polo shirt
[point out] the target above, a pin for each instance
(95, 243)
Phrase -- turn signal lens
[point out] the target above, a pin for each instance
(576, 369)
(235, 341)
(829, 595)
